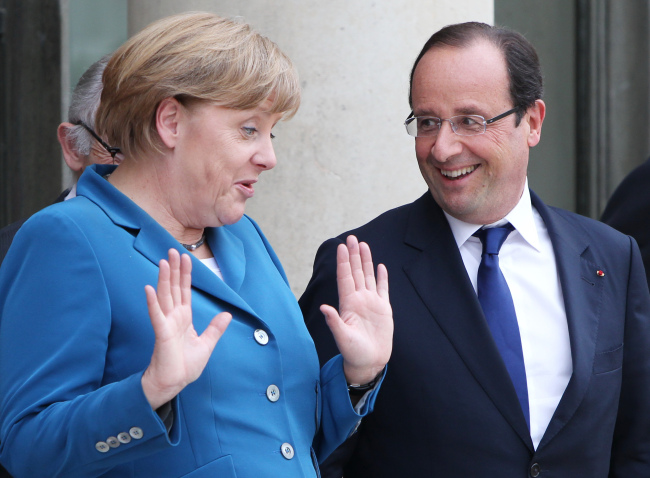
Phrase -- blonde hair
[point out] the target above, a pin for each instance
(190, 56)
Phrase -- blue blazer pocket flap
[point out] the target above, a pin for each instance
(222, 467)
(608, 360)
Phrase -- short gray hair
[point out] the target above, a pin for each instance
(83, 106)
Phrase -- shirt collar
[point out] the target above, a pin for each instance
(72, 193)
(521, 217)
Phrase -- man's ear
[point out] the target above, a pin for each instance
(168, 115)
(75, 161)
(536, 115)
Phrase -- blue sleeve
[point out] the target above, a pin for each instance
(338, 418)
(55, 324)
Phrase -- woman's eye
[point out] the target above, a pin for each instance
(272, 136)
(249, 130)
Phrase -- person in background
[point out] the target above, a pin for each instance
(628, 210)
(80, 147)
(117, 378)
(522, 331)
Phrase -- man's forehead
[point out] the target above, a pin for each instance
(463, 79)
(479, 54)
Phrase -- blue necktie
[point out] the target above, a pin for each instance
(496, 301)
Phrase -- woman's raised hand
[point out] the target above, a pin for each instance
(363, 327)
(179, 354)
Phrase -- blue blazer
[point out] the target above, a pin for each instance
(448, 408)
(75, 338)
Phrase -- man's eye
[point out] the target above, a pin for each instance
(427, 124)
(468, 121)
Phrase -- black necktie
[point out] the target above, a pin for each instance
(496, 301)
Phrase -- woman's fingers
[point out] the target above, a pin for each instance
(155, 313)
(382, 281)
(164, 287)
(367, 266)
(216, 329)
(174, 281)
(356, 267)
(175, 276)
(186, 279)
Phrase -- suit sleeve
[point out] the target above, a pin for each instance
(627, 210)
(631, 445)
(55, 323)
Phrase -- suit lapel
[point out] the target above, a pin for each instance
(461, 320)
(153, 241)
(581, 298)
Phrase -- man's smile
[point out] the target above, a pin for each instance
(458, 173)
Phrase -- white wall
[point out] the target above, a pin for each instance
(345, 157)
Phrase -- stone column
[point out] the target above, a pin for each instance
(30, 105)
(345, 157)
(613, 107)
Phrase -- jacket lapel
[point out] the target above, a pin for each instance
(455, 307)
(581, 298)
(153, 241)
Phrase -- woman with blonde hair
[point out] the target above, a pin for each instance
(97, 381)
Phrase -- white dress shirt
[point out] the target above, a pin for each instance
(72, 193)
(528, 265)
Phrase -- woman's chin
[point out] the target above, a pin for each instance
(231, 218)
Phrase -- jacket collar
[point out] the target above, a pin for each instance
(153, 241)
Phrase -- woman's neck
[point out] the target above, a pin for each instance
(148, 183)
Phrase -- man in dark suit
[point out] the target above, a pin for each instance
(628, 210)
(80, 147)
(537, 367)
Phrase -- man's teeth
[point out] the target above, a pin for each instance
(458, 172)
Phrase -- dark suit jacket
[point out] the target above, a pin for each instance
(7, 234)
(628, 210)
(447, 408)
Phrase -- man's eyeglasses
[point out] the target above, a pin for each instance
(111, 149)
(462, 125)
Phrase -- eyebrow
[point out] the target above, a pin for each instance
(465, 110)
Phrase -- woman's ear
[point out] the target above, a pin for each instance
(168, 115)
(75, 161)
